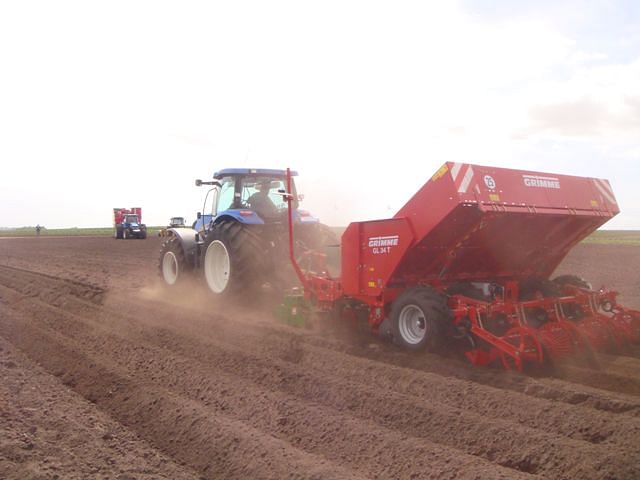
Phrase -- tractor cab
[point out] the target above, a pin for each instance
(130, 219)
(251, 196)
(262, 194)
(176, 222)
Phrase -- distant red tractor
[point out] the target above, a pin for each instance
(127, 223)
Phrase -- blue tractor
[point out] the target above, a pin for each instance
(127, 223)
(240, 240)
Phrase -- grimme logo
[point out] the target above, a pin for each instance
(383, 244)
(541, 182)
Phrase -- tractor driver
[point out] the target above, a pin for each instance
(260, 201)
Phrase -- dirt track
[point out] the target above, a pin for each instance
(105, 374)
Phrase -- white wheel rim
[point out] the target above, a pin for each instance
(170, 269)
(412, 324)
(217, 266)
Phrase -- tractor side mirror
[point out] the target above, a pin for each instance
(215, 183)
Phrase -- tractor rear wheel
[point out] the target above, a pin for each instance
(420, 318)
(173, 265)
(235, 260)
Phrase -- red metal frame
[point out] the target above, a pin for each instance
(559, 336)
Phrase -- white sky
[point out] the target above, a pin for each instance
(106, 104)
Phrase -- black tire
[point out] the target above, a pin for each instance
(143, 235)
(420, 319)
(247, 259)
(173, 266)
(573, 280)
(118, 235)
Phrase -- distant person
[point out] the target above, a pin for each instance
(260, 201)
(38, 228)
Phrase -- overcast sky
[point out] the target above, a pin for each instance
(107, 104)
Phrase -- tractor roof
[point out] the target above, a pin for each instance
(252, 171)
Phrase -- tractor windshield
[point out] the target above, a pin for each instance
(258, 193)
(131, 219)
(262, 195)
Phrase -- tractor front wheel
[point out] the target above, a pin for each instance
(419, 319)
(173, 264)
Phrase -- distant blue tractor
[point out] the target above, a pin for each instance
(127, 223)
(240, 240)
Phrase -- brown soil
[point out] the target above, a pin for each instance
(106, 374)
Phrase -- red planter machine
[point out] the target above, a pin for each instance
(469, 257)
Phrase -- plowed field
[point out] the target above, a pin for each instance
(105, 374)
